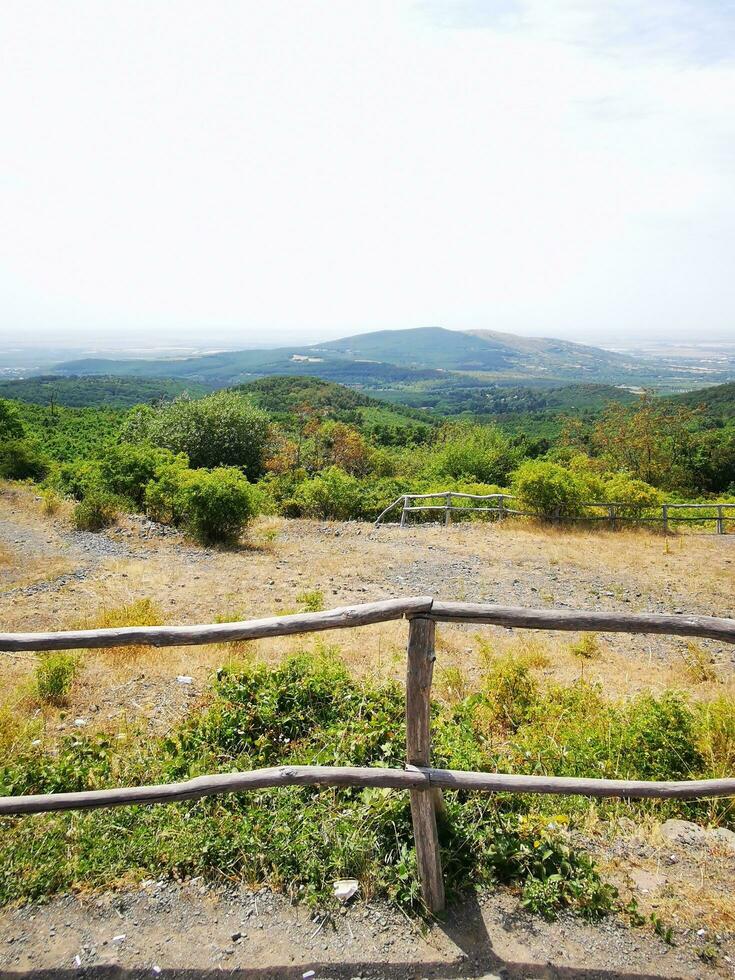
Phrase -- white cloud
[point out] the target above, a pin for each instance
(255, 171)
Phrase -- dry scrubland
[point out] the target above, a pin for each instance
(54, 578)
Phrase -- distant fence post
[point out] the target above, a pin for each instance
(501, 507)
(403, 512)
(720, 520)
(419, 672)
(665, 513)
(611, 512)
(447, 509)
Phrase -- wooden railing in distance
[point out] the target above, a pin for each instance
(419, 778)
(615, 513)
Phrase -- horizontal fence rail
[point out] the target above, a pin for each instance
(616, 512)
(412, 777)
(423, 782)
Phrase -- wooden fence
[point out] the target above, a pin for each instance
(424, 782)
(614, 513)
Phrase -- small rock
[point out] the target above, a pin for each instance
(647, 881)
(683, 832)
(722, 837)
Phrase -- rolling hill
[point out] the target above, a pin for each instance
(394, 356)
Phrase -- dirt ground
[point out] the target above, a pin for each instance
(52, 577)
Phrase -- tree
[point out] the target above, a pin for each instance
(223, 429)
(653, 441)
(11, 427)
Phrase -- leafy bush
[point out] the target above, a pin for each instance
(78, 479)
(217, 504)
(95, 512)
(164, 500)
(510, 691)
(223, 429)
(21, 460)
(547, 489)
(50, 502)
(635, 495)
(127, 470)
(334, 495)
(480, 453)
(54, 676)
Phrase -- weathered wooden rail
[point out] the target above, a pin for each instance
(615, 513)
(419, 778)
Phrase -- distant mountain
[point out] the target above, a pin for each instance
(415, 357)
(476, 350)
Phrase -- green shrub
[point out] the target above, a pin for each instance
(163, 500)
(21, 460)
(471, 452)
(127, 470)
(78, 479)
(217, 504)
(635, 495)
(223, 429)
(55, 676)
(334, 495)
(510, 691)
(547, 489)
(11, 427)
(95, 512)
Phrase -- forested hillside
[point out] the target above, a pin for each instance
(306, 447)
(90, 392)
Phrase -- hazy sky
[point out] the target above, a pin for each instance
(255, 172)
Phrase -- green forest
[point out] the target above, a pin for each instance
(304, 447)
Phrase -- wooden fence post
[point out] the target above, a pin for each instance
(418, 753)
(403, 512)
(665, 513)
(501, 507)
(447, 509)
(720, 520)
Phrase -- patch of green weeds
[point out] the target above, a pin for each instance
(309, 709)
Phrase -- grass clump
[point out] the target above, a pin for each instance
(139, 612)
(50, 502)
(55, 676)
(97, 511)
(311, 601)
(699, 665)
